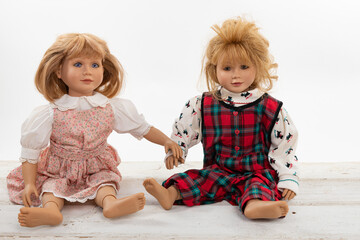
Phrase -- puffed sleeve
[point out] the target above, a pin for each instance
(127, 119)
(35, 133)
(186, 129)
(282, 156)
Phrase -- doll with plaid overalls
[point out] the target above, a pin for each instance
(249, 139)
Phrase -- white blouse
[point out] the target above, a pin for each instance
(36, 130)
(187, 133)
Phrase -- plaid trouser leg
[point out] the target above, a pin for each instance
(197, 187)
(258, 187)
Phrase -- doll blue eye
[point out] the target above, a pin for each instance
(227, 68)
(77, 64)
(95, 65)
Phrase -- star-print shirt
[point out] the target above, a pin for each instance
(284, 136)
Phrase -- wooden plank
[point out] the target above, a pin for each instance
(200, 222)
(314, 192)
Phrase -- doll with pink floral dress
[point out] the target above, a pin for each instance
(65, 155)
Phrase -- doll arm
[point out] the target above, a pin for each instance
(282, 156)
(127, 119)
(158, 137)
(35, 133)
(186, 129)
(29, 173)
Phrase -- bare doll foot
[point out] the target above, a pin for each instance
(114, 207)
(32, 217)
(166, 197)
(257, 209)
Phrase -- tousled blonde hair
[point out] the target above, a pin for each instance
(239, 39)
(73, 45)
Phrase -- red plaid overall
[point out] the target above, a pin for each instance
(236, 142)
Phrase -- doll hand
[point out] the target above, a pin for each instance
(288, 194)
(176, 150)
(26, 196)
(171, 161)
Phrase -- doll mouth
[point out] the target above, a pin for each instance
(87, 81)
(237, 84)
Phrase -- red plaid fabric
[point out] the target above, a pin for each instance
(236, 142)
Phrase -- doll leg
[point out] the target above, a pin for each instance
(259, 209)
(261, 199)
(114, 207)
(193, 187)
(165, 196)
(49, 214)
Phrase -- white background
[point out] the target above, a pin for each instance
(161, 44)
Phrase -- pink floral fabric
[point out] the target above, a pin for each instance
(78, 161)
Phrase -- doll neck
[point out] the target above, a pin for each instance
(239, 99)
(80, 94)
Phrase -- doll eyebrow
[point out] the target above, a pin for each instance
(75, 60)
(80, 60)
(224, 65)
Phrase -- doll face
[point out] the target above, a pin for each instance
(235, 76)
(82, 75)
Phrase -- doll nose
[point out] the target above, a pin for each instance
(87, 70)
(236, 73)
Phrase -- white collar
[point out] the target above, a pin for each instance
(67, 102)
(239, 99)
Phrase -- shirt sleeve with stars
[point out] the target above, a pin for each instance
(282, 156)
(186, 130)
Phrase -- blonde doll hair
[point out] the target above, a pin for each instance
(75, 45)
(239, 39)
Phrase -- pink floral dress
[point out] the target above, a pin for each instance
(78, 161)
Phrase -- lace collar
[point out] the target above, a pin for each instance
(67, 102)
(239, 99)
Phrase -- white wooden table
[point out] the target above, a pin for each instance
(328, 207)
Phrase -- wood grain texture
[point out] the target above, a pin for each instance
(328, 207)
